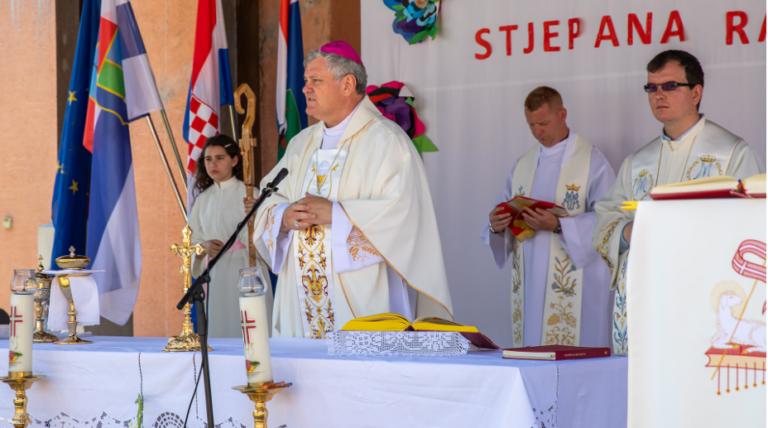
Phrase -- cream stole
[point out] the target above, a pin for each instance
(561, 323)
(313, 262)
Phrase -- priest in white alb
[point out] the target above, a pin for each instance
(689, 147)
(560, 293)
(353, 223)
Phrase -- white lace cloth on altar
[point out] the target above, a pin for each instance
(398, 343)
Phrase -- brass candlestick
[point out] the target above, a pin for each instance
(188, 340)
(42, 300)
(20, 384)
(260, 393)
(72, 338)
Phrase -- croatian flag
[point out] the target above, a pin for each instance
(210, 87)
(122, 89)
(291, 104)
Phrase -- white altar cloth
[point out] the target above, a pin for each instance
(97, 385)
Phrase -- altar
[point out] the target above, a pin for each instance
(129, 382)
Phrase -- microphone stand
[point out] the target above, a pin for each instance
(197, 293)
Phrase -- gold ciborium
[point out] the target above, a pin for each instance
(20, 384)
(188, 340)
(42, 300)
(260, 393)
(76, 263)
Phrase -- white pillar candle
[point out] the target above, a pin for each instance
(22, 327)
(253, 319)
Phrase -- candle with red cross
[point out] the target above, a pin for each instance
(255, 327)
(22, 318)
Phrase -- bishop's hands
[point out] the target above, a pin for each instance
(305, 212)
(540, 219)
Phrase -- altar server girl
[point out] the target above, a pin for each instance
(215, 215)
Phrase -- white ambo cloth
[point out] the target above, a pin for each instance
(85, 293)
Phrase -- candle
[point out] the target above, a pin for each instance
(22, 318)
(253, 319)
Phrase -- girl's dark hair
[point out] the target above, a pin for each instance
(204, 180)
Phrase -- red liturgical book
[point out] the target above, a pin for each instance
(518, 227)
(555, 353)
(712, 187)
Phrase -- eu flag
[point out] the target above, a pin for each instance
(69, 210)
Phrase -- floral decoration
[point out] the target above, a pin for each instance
(395, 102)
(414, 19)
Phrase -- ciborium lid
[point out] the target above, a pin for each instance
(72, 261)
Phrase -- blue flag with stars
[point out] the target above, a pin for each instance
(69, 210)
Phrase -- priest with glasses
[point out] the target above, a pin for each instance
(689, 147)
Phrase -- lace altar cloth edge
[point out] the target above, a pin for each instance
(397, 343)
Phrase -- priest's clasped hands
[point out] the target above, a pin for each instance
(537, 219)
(302, 213)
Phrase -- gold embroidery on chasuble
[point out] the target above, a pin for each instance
(359, 248)
(315, 278)
(270, 242)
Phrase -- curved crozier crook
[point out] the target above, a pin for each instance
(250, 117)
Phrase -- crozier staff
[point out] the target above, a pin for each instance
(217, 211)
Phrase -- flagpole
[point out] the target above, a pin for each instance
(167, 167)
(182, 170)
(233, 121)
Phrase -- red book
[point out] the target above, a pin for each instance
(555, 353)
(712, 187)
(517, 205)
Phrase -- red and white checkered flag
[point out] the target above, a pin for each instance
(204, 124)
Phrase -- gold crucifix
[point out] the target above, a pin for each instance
(188, 340)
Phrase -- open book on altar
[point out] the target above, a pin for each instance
(517, 205)
(712, 187)
(397, 322)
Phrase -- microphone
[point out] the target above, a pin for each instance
(278, 178)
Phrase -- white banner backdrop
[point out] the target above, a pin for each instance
(473, 107)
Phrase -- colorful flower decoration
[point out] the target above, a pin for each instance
(395, 102)
(414, 19)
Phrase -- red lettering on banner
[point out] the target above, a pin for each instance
(529, 49)
(508, 29)
(549, 35)
(574, 28)
(483, 43)
(674, 19)
(606, 22)
(731, 27)
(634, 22)
(762, 33)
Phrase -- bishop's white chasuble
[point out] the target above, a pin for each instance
(377, 182)
(706, 150)
(561, 323)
